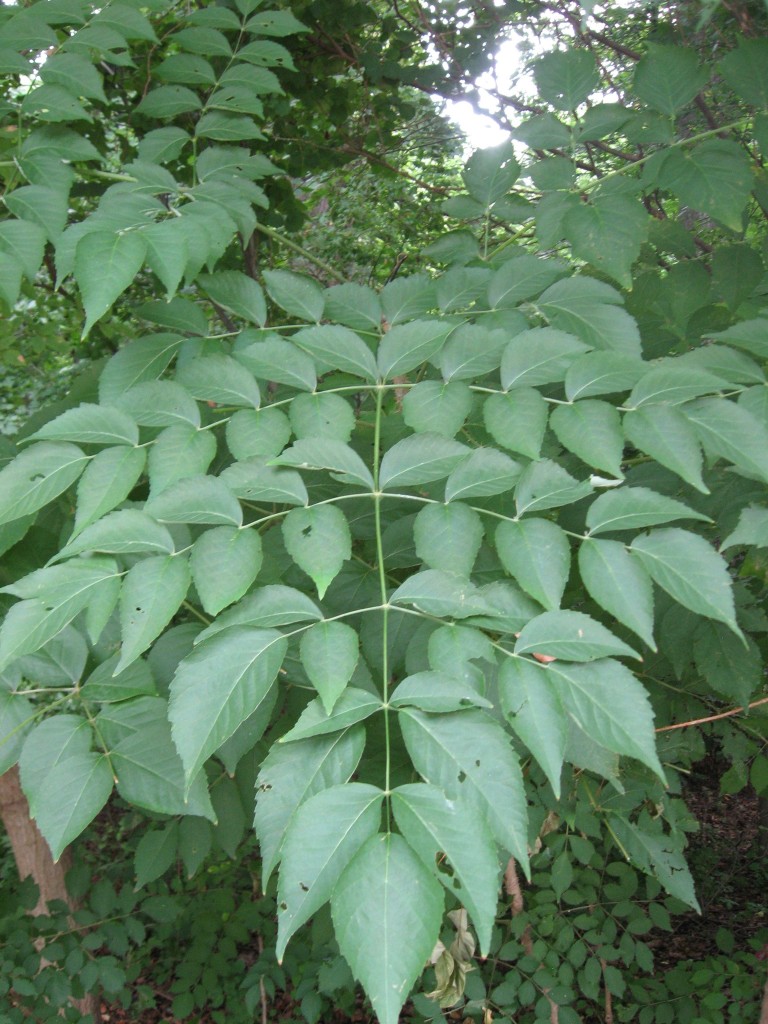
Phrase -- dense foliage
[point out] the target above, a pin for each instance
(439, 565)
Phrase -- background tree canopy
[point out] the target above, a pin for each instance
(401, 540)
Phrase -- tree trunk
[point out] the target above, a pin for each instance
(33, 857)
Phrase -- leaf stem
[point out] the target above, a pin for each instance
(384, 595)
(278, 237)
(672, 145)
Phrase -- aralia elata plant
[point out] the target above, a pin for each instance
(405, 543)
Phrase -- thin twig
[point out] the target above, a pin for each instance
(713, 718)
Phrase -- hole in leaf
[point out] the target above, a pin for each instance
(304, 888)
(283, 905)
(477, 764)
(462, 776)
(265, 787)
(306, 531)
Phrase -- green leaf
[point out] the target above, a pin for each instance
(265, 432)
(90, 424)
(543, 131)
(713, 177)
(322, 416)
(273, 605)
(319, 542)
(407, 297)
(448, 537)
(108, 479)
(592, 311)
(434, 407)
(468, 755)
(150, 774)
(351, 707)
(570, 636)
(219, 379)
(105, 265)
(591, 430)
(435, 691)
(537, 553)
(221, 683)
(324, 835)
(608, 232)
(690, 571)
(253, 481)
(668, 77)
(730, 667)
(387, 908)
(752, 528)
(75, 74)
(236, 292)
(482, 474)
(329, 653)
(666, 435)
(325, 453)
(472, 352)
(744, 69)
(168, 251)
(541, 355)
(354, 305)
(37, 476)
(10, 281)
(104, 686)
(178, 452)
(155, 853)
(169, 101)
(185, 69)
(203, 40)
(602, 373)
(196, 499)
(611, 706)
(62, 812)
(265, 53)
(279, 361)
(337, 348)
(433, 825)
(296, 294)
(16, 716)
(546, 484)
(517, 421)
(141, 360)
(634, 508)
(406, 346)
(673, 385)
(522, 278)
(490, 173)
(566, 78)
(159, 403)
(195, 841)
(152, 592)
(118, 533)
(420, 459)
(25, 242)
(275, 23)
(731, 432)
(444, 594)
(51, 600)
(530, 702)
(619, 585)
(41, 205)
(658, 855)
(224, 561)
(291, 774)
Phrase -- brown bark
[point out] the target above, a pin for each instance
(33, 857)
